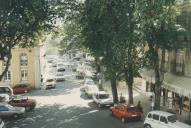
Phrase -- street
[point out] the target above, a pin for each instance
(67, 106)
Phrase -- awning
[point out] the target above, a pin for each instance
(148, 74)
(178, 84)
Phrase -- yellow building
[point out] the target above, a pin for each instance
(24, 67)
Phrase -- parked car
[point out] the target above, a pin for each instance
(60, 76)
(22, 101)
(79, 75)
(161, 119)
(88, 82)
(126, 112)
(49, 83)
(6, 90)
(6, 110)
(90, 88)
(89, 72)
(60, 67)
(2, 124)
(102, 98)
(21, 88)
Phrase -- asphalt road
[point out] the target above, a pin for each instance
(67, 106)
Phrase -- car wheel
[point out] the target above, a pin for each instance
(123, 120)
(15, 116)
(147, 126)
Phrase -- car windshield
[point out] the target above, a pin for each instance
(90, 82)
(60, 65)
(93, 88)
(9, 106)
(132, 109)
(103, 96)
(172, 118)
(60, 74)
(49, 80)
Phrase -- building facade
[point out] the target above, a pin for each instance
(24, 67)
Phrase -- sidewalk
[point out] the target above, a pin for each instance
(140, 95)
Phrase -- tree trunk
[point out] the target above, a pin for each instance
(162, 66)
(157, 80)
(6, 66)
(114, 90)
(129, 81)
(130, 90)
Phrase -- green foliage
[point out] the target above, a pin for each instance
(158, 24)
(19, 22)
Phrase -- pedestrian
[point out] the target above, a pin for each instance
(139, 106)
(140, 109)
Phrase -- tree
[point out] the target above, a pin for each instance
(19, 23)
(128, 42)
(111, 31)
(158, 23)
(98, 29)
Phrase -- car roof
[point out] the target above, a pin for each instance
(87, 80)
(128, 105)
(101, 92)
(161, 113)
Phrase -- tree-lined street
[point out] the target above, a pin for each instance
(67, 106)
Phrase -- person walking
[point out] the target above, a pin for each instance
(140, 109)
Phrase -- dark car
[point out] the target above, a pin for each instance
(21, 88)
(126, 112)
(21, 101)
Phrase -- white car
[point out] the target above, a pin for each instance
(49, 83)
(90, 90)
(60, 67)
(161, 119)
(60, 76)
(88, 82)
(90, 87)
(2, 124)
(102, 98)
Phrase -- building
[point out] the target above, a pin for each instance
(24, 67)
(176, 88)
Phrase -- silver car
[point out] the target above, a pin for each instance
(7, 110)
(102, 98)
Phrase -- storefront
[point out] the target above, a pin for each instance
(180, 91)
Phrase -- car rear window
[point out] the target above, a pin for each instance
(132, 109)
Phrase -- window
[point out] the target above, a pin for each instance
(24, 75)
(179, 61)
(24, 59)
(166, 55)
(155, 117)
(7, 76)
(149, 115)
(163, 119)
(3, 108)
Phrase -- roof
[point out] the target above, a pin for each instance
(161, 113)
(178, 84)
(102, 92)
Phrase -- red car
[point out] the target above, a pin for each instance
(21, 101)
(126, 112)
(21, 88)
